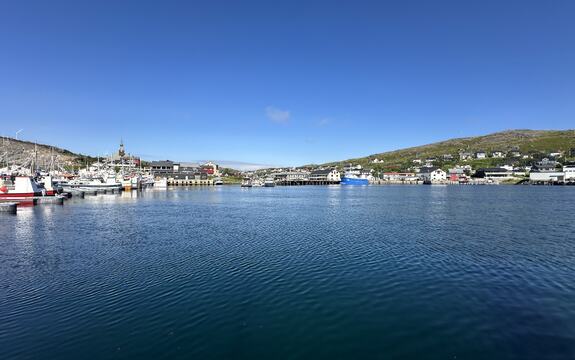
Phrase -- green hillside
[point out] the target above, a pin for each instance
(535, 143)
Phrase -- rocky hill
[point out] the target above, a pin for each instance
(535, 143)
(22, 153)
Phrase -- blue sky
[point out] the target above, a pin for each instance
(282, 83)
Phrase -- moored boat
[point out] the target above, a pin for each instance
(247, 182)
(22, 188)
(269, 182)
(354, 179)
(92, 184)
(161, 183)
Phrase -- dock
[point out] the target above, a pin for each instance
(8, 207)
(300, 182)
(190, 182)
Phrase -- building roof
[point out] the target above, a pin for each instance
(189, 165)
(426, 170)
(491, 170)
(162, 163)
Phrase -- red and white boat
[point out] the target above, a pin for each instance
(21, 189)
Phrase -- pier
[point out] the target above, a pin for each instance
(190, 182)
(301, 182)
(8, 208)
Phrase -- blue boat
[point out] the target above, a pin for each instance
(354, 179)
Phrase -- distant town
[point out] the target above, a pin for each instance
(45, 170)
(555, 168)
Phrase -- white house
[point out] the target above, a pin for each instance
(555, 155)
(465, 155)
(480, 155)
(331, 175)
(432, 174)
(498, 154)
(569, 171)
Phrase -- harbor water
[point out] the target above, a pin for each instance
(324, 272)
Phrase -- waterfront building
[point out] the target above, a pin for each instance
(399, 176)
(459, 174)
(290, 176)
(569, 172)
(325, 175)
(163, 168)
(498, 173)
(546, 171)
(183, 170)
(432, 174)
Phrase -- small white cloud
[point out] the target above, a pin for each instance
(277, 116)
(324, 122)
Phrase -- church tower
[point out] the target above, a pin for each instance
(121, 151)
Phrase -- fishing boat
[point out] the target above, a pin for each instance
(127, 184)
(269, 182)
(355, 176)
(97, 183)
(48, 186)
(218, 181)
(21, 189)
(161, 183)
(354, 179)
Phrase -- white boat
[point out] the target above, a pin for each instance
(161, 183)
(92, 184)
(48, 186)
(269, 182)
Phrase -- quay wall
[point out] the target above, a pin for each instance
(190, 182)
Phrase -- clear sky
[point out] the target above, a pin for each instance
(281, 82)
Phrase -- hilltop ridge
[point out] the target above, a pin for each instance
(21, 152)
(536, 143)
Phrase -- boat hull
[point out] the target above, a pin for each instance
(353, 181)
(8, 196)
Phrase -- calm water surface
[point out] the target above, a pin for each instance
(397, 272)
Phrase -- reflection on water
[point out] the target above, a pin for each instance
(299, 272)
